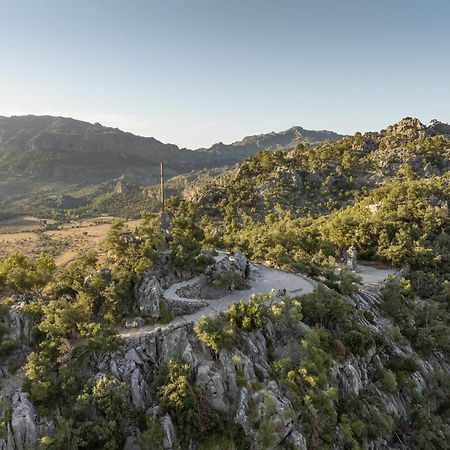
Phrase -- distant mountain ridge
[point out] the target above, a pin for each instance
(279, 139)
(54, 154)
(271, 141)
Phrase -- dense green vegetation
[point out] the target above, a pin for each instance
(74, 311)
(339, 332)
(386, 194)
(25, 275)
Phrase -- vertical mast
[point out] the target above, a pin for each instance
(162, 186)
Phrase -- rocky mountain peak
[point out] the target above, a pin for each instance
(437, 127)
(409, 128)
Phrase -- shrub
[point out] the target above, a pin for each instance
(166, 313)
(388, 381)
(177, 395)
(359, 339)
(248, 316)
(325, 307)
(23, 274)
(348, 282)
(214, 332)
(308, 382)
(152, 435)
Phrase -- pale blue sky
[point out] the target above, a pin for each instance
(194, 72)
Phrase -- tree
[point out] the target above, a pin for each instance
(23, 274)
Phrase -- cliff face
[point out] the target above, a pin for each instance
(63, 152)
(244, 385)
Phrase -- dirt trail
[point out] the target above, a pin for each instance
(372, 274)
(264, 279)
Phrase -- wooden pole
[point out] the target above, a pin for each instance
(162, 186)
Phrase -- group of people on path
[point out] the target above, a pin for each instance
(281, 293)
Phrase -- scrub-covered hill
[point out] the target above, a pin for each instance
(339, 365)
(58, 155)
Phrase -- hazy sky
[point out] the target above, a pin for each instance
(193, 72)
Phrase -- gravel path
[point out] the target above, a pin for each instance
(373, 275)
(264, 279)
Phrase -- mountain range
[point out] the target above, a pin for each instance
(57, 154)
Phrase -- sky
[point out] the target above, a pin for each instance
(195, 72)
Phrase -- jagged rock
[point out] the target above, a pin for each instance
(15, 322)
(148, 295)
(241, 416)
(132, 355)
(228, 369)
(122, 368)
(237, 264)
(139, 390)
(297, 440)
(189, 356)
(174, 342)
(239, 260)
(349, 377)
(23, 423)
(148, 344)
(131, 443)
(214, 383)
(18, 324)
(114, 369)
(170, 441)
(273, 407)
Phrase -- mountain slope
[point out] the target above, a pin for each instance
(68, 152)
(56, 154)
(250, 145)
(328, 176)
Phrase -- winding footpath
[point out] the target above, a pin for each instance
(263, 280)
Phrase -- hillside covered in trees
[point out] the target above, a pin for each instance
(346, 366)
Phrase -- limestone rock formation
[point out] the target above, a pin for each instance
(148, 294)
(23, 428)
(239, 382)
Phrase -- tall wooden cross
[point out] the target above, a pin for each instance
(162, 186)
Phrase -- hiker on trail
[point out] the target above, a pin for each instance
(281, 293)
(352, 255)
(247, 270)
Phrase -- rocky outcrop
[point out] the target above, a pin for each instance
(240, 382)
(148, 294)
(170, 440)
(22, 431)
(19, 325)
(230, 271)
(229, 378)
